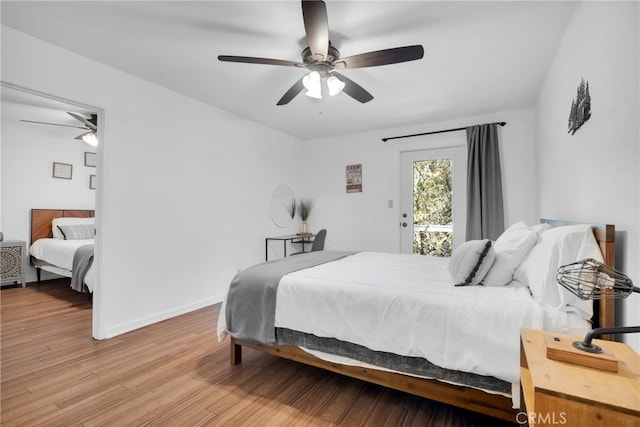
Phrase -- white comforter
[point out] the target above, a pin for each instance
(407, 305)
(59, 253)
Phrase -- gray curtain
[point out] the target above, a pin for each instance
(485, 214)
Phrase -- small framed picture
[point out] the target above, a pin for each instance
(90, 159)
(62, 170)
(92, 182)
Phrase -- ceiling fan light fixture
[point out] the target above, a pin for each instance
(335, 85)
(91, 139)
(312, 83)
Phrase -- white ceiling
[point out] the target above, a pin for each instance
(480, 57)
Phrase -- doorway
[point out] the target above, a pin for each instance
(37, 133)
(432, 200)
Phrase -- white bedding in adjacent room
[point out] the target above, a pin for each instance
(403, 304)
(59, 253)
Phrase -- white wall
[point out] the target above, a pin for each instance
(363, 221)
(183, 195)
(28, 152)
(593, 176)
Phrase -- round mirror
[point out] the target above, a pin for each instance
(281, 201)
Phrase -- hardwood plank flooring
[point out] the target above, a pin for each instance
(174, 373)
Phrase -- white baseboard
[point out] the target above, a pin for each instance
(159, 317)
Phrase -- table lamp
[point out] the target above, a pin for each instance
(589, 279)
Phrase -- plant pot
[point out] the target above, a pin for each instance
(305, 228)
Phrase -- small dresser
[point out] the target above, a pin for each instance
(13, 262)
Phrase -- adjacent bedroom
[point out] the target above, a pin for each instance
(320, 213)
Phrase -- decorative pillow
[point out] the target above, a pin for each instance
(78, 231)
(557, 247)
(471, 261)
(57, 234)
(510, 248)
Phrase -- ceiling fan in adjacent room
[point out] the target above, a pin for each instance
(90, 125)
(323, 59)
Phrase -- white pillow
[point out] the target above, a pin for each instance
(541, 228)
(471, 261)
(557, 247)
(78, 231)
(57, 234)
(510, 248)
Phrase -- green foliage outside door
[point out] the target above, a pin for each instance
(432, 207)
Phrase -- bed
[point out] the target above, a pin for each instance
(376, 317)
(70, 254)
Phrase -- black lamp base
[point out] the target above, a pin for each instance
(588, 347)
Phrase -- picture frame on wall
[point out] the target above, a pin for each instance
(92, 182)
(62, 170)
(90, 159)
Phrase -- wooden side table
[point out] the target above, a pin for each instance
(561, 393)
(13, 258)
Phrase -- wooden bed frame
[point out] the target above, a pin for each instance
(495, 405)
(41, 222)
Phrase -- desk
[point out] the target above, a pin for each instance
(564, 393)
(305, 239)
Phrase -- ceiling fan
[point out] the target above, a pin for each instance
(90, 125)
(323, 59)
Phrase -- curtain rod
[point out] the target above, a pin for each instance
(431, 133)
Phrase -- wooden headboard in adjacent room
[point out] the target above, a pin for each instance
(41, 220)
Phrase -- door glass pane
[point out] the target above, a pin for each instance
(432, 202)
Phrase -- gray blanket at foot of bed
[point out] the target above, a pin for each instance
(82, 260)
(251, 303)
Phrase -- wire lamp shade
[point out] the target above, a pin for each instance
(590, 279)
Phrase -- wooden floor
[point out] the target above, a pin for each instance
(174, 373)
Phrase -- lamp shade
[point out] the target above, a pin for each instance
(91, 139)
(335, 85)
(312, 83)
(590, 279)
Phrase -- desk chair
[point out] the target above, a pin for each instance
(318, 242)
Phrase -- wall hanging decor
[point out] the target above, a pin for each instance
(62, 170)
(580, 107)
(90, 159)
(354, 178)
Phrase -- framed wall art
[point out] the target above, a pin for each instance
(354, 178)
(92, 182)
(62, 170)
(90, 159)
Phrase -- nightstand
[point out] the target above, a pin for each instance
(13, 261)
(556, 393)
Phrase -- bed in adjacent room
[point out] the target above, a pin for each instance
(443, 328)
(62, 242)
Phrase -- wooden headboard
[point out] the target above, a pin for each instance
(41, 220)
(605, 236)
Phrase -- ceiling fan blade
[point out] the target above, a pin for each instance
(88, 124)
(54, 124)
(265, 61)
(353, 89)
(382, 57)
(291, 93)
(316, 26)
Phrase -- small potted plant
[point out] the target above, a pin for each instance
(304, 210)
